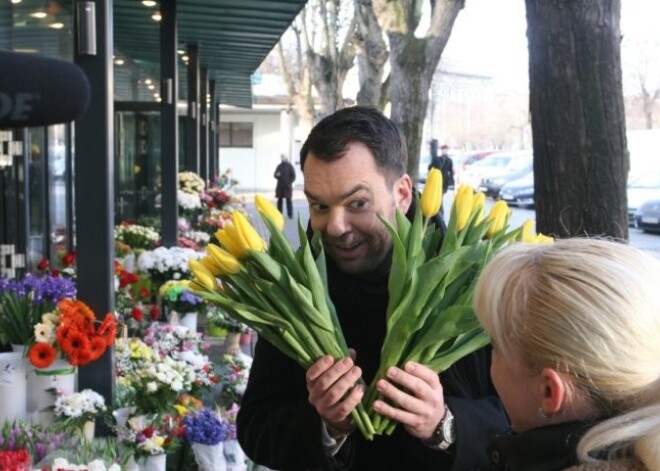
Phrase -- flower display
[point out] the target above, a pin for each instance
(18, 460)
(79, 407)
(199, 237)
(24, 301)
(205, 426)
(136, 236)
(215, 198)
(146, 434)
(188, 201)
(176, 296)
(72, 331)
(210, 223)
(164, 264)
(233, 371)
(190, 182)
(33, 438)
(62, 464)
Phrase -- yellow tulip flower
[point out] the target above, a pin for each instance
(268, 209)
(230, 239)
(431, 199)
(478, 205)
(202, 274)
(463, 201)
(224, 261)
(542, 239)
(527, 235)
(208, 262)
(498, 215)
(249, 234)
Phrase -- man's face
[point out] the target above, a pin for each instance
(345, 198)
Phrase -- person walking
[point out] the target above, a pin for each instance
(285, 175)
(443, 163)
(290, 418)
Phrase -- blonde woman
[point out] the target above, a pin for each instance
(575, 327)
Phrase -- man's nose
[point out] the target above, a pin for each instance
(337, 222)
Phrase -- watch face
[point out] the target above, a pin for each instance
(448, 430)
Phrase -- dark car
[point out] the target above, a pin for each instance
(647, 216)
(518, 165)
(519, 192)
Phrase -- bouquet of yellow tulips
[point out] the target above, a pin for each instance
(430, 318)
(281, 293)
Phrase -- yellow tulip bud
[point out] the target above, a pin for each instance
(478, 205)
(249, 234)
(223, 260)
(202, 275)
(268, 209)
(498, 215)
(542, 239)
(527, 235)
(432, 195)
(230, 239)
(463, 203)
(210, 265)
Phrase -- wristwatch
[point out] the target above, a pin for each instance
(444, 435)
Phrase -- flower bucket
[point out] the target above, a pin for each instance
(61, 375)
(234, 455)
(233, 343)
(19, 348)
(121, 415)
(210, 457)
(213, 330)
(88, 429)
(13, 387)
(152, 463)
(189, 320)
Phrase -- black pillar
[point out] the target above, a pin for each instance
(94, 186)
(212, 129)
(169, 122)
(192, 128)
(203, 124)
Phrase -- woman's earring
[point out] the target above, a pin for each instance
(543, 414)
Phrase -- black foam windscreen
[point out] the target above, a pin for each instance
(38, 91)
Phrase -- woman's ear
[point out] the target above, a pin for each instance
(553, 392)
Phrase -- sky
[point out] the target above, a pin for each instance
(490, 35)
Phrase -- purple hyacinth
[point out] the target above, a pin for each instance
(205, 427)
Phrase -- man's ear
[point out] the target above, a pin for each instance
(403, 192)
(553, 389)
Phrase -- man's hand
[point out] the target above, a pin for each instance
(329, 385)
(414, 398)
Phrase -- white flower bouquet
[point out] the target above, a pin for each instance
(163, 264)
(136, 236)
(190, 182)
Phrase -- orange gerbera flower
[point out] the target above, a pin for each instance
(97, 346)
(74, 343)
(108, 329)
(81, 357)
(42, 355)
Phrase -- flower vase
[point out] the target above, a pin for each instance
(234, 455)
(60, 377)
(189, 320)
(233, 343)
(152, 463)
(13, 387)
(88, 429)
(19, 348)
(209, 457)
(31, 399)
(246, 338)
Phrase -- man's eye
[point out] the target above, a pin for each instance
(358, 204)
(317, 207)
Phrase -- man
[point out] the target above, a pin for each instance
(285, 175)
(443, 163)
(291, 419)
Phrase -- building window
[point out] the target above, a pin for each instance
(236, 135)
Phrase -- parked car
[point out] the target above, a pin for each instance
(640, 190)
(647, 216)
(519, 192)
(491, 173)
(423, 168)
(466, 160)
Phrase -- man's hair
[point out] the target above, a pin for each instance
(330, 138)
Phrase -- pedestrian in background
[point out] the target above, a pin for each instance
(285, 175)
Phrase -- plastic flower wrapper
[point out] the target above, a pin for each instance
(206, 431)
(430, 319)
(278, 292)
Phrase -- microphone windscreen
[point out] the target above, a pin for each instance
(38, 91)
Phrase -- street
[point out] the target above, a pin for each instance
(649, 242)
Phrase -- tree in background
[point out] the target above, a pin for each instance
(643, 75)
(578, 123)
(372, 55)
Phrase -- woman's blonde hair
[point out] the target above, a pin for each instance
(590, 309)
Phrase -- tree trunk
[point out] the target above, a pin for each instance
(413, 61)
(371, 53)
(580, 157)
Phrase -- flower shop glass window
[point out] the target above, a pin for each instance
(236, 135)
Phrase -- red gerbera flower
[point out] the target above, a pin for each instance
(154, 312)
(136, 314)
(68, 259)
(42, 355)
(74, 343)
(43, 265)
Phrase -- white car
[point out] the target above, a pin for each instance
(496, 166)
(640, 190)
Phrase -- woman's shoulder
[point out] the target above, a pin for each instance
(616, 465)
